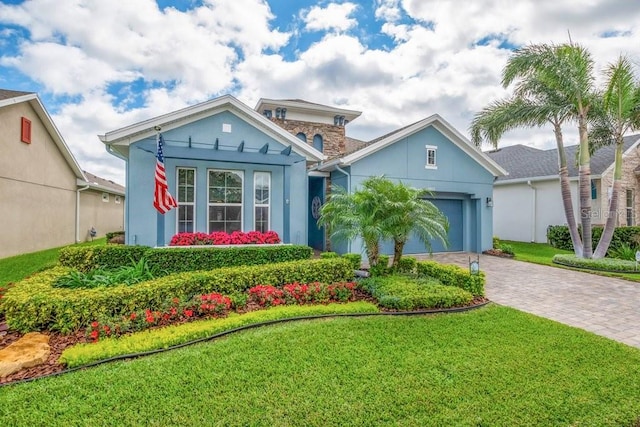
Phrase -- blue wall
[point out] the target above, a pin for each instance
(288, 177)
(457, 177)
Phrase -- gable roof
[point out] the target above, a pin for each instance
(526, 163)
(439, 124)
(12, 97)
(120, 139)
(102, 184)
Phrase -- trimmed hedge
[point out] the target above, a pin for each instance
(602, 264)
(155, 339)
(34, 304)
(407, 293)
(559, 237)
(354, 259)
(163, 261)
(452, 275)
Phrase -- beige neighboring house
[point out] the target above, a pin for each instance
(528, 200)
(46, 200)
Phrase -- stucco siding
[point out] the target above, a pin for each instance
(629, 182)
(523, 213)
(104, 216)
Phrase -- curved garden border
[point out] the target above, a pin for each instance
(246, 327)
(586, 268)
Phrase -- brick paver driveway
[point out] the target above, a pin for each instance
(606, 306)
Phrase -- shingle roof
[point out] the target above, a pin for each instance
(8, 94)
(526, 162)
(107, 184)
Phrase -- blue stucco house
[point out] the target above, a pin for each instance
(232, 167)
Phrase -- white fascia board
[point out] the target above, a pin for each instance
(145, 129)
(18, 99)
(445, 128)
(539, 179)
(96, 186)
(308, 107)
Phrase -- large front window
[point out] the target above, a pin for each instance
(225, 200)
(186, 200)
(262, 196)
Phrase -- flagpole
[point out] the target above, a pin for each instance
(159, 217)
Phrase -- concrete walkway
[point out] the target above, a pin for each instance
(605, 306)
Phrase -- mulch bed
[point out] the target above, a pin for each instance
(497, 252)
(59, 342)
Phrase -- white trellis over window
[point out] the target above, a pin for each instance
(225, 200)
(262, 198)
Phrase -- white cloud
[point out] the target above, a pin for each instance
(388, 10)
(333, 17)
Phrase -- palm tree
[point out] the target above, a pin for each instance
(554, 83)
(407, 211)
(619, 113)
(382, 209)
(350, 215)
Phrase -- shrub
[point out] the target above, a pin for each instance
(507, 249)
(354, 259)
(452, 275)
(407, 293)
(496, 242)
(298, 293)
(407, 265)
(154, 339)
(602, 264)
(163, 261)
(34, 304)
(326, 255)
(559, 237)
(624, 251)
(110, 235)
(136, 273)
(109, 257)
(222, 238)
(382, 267)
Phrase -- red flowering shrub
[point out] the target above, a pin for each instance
(297, 293)
(266, 295)
(222, 238)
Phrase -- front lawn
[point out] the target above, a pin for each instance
(493, 366)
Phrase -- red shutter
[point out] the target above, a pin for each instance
(25, 134)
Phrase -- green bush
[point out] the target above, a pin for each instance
(507, 249)
(327, 255)
(382, 268)
(407, 293)
(163, 261)
(407, 265)
(624, 251)
(34, 304)
(452, 275)
(602, 264)
(496, 242)
(110, 235)
(354, 259)
(82, 354)
(559, 237)
(126, 275)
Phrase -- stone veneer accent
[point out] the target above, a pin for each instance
(629, 181)
(333, 137)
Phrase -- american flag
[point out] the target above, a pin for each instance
(162, 200)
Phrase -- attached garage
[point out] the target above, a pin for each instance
(432, 155)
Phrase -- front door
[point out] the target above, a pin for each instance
(316, 200)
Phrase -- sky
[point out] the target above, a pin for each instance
(100, 65)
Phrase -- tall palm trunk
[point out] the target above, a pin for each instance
(398, 247)
(585, 187)
(610, 225)
(372, 248)
(565, 190)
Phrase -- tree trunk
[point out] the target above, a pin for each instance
(565, 190)
(585, 188)
(610, 225)
(398, 247)
(373, 250)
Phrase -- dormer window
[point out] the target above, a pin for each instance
(267, 113)
(431, 157)
(301, 136)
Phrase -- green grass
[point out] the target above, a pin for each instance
(493, 366)
(18, 267)
(541, 253)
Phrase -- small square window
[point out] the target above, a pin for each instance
(25, 130)
(226, 127)
(105, 197)
(431, 157)
(117, 200)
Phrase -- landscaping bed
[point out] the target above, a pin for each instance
(610, 265)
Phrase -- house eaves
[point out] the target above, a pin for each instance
(47, 121)
(537, 179)
(120, 139)
(439, 124)
(308, 107)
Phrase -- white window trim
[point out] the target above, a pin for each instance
(105, 197)
(242, 201)
(435, 157)
(177, 193)
(261, 205)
